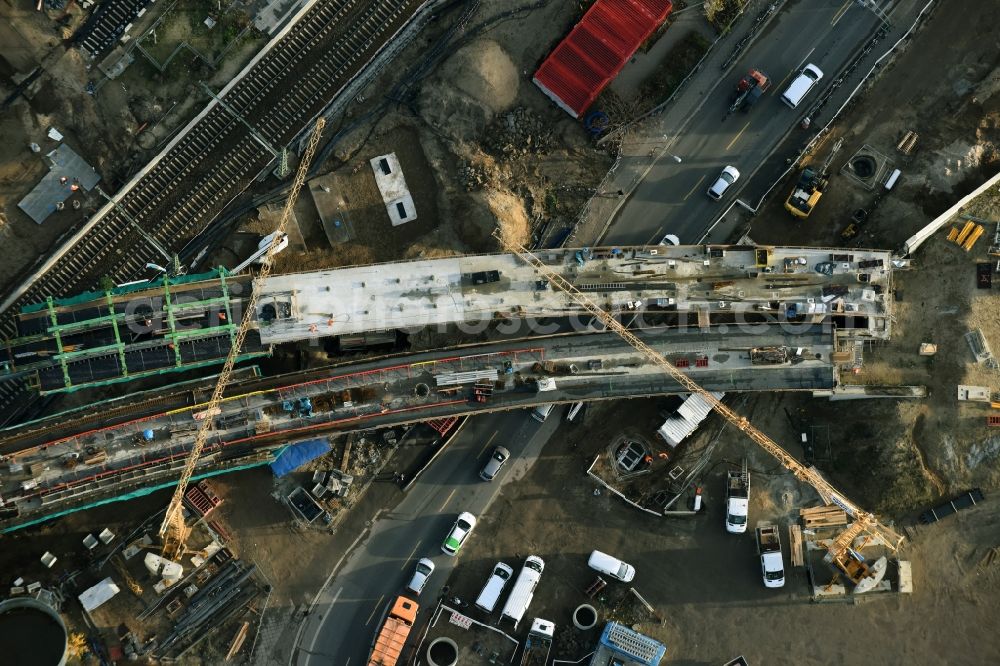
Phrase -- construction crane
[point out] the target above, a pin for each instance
(173, 531)
(841, 551)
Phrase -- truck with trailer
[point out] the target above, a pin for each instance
(748, 90)
(737, 499)
(538, 643)
(392, 635)
(771, 563)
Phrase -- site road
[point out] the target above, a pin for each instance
(671, 198)
(350, 607)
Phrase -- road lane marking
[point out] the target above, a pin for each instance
(378, 604)
(693, 188)
(410, 556)
(796, 70)
(448, 499)
(737, 137)
(482, 450)
(840, 13)
(655, 234)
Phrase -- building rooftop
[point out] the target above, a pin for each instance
(66, 171)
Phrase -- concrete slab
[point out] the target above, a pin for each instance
(392, 186)
(774, 282)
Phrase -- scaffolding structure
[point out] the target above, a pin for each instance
(117, 335)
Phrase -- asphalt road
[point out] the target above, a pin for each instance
(345, 619)
(671, 199)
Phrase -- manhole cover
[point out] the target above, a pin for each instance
(863, 166)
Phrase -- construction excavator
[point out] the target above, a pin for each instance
(810, 187)
(842, 552)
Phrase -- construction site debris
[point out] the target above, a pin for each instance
(823, 516)
(966, 500)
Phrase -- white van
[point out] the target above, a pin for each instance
(611, 566)
(488, 598)
(801, 85)
(524, 589)
(542, 412)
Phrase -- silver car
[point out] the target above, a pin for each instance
(728, 176)
(493, 465)
(425, 567)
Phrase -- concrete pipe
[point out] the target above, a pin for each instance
(31, 633)
(442, 652)
(584, 617)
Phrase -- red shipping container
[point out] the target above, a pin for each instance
(597, 49)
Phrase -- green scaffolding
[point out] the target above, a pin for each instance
(175, 335)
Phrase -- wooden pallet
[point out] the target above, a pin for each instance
(795, 539)
(823, 516)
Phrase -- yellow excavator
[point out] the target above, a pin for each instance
(810, 187)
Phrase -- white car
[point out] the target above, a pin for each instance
(420, 576)
(670, 239)
(459, 533)
(728, 176)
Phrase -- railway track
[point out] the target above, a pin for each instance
(218, 158)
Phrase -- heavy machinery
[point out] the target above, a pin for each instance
(810, 187)
(392, 635)
(173, 531)
(841, 551)
(749, 89)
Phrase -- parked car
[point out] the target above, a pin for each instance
(728, 176)
(611, 566)
(459, 533)
(425, 567)
(670, 239)
(493, 465)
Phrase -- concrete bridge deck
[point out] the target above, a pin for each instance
(55, 466)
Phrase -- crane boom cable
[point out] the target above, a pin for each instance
(172, 528)
(864, 521)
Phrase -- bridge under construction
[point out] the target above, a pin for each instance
(738, 318)
(175, 324)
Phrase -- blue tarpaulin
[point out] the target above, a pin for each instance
(296, 455)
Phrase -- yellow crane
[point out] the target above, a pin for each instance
(173, 531)
(840, 551)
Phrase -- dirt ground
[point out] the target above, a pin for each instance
(117, 130)
(706, 583)
(937, 446)
(491, 147)
(480, 146)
